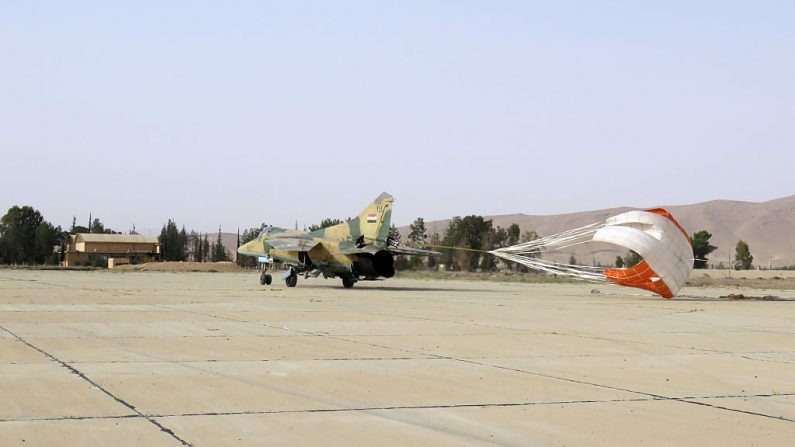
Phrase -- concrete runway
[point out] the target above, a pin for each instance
(210, 359)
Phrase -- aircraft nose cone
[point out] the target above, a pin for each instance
(248, 247)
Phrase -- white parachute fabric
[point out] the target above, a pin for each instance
(653, 234)
(661, 243)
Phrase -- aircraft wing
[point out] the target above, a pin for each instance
(394, 250)
(292, 244)
(360, 250)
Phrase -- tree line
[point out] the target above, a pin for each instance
(179, 245)
(473, 236)
(27, 238)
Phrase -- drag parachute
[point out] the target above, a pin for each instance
(654, 234)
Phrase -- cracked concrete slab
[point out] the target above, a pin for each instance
(210, 348)
(648, 423)
(104, 358)
(126, 432)
(34, 391)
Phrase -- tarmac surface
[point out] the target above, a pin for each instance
(209, 359)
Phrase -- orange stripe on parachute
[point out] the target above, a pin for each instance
(640, 276)
(664, 213)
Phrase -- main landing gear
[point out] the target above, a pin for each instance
(265, 279)
(291, 278)
(348, 282)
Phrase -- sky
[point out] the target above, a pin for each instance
(239, 113)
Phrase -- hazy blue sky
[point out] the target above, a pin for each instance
(236, 113)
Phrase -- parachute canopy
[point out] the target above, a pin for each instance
(654, 234)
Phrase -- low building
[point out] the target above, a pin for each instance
(110, 249)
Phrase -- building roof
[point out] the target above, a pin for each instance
(117, 238)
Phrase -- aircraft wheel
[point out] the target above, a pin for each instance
(265, 279)
(347, 282)
(291, 280)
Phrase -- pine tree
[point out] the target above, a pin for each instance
(701, 248)
(743, 259)
(205, 251)
(417, 233)
(173, 242)
(513, 235)
(393, 237)
(219, 253)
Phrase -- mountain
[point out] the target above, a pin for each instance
(767, 227)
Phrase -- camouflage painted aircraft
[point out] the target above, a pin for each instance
(358, 249)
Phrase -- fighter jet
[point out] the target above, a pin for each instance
(359, 249)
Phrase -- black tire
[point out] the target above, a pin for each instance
(347, 282)
(291, 280)
(268, 279)
(263, 278)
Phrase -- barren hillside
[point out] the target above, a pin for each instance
(768, 227)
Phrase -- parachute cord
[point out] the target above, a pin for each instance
(455, 248)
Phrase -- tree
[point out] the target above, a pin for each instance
(402, 263)
(417, 232)
(415, 262)
(77, 229)
(98, 227)
(47, 237)
(173, 242)
(195, 244)
(743, 259)
(393, 238)
(572, 260)
(183, 244)
(325, 223)
(507, 238)
(495, 238)
(529, 236)
(619, 262)
(632, 259)
(513, 235)
(205, 248)
(26, 238)
(434, 240)
(471, 233)
(702, 248)
(417, 237)
(19, 234)
(219, 253)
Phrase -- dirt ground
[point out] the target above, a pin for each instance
(749, 279)
(96, 358)
(721, 279)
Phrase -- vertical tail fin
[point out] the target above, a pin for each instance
(375, 220)
(369, 227)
